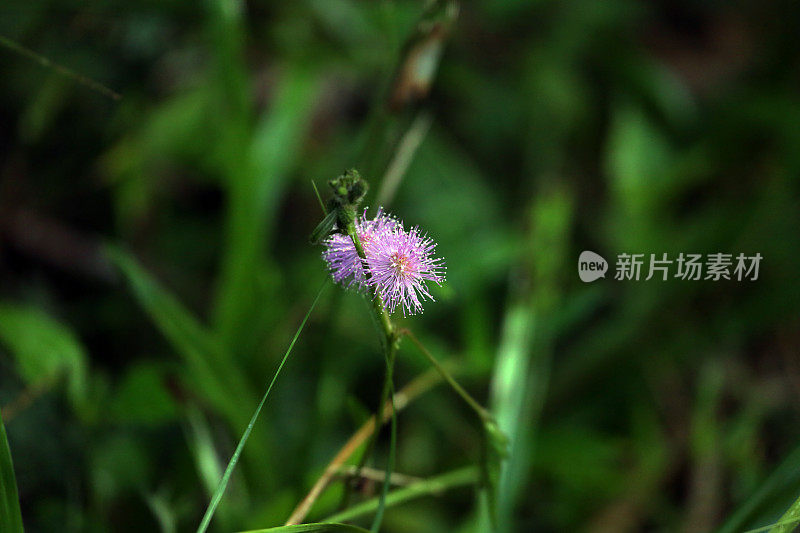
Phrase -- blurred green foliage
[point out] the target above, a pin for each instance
(128, 372)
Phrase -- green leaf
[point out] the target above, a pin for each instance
(142, 397)
(45, 350)
(210, 367)
(324, 228)
(10, 516)
(223, 483)
(258, 165)
(310, 528)
(205, 357)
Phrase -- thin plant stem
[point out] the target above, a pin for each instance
(434, 485)
(479, 410)
(223, 482)
(377, 303)
(64, 71)
(373, 474)
(319, 198)
(390, 343)
(376, 522)
(415, 388)
(24, 400)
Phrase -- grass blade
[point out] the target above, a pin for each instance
(789, 520)
(456, 478)
(761, 506)
(255, 183)
(773, 527)
(45, 350)
(10, 516)
(223, 483)
(204, 355)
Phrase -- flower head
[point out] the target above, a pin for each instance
(343, 261)
(400, 263)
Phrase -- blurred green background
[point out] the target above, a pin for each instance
(550, 128)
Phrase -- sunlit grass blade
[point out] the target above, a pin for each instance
(434, 485)
(522, 368)
(775, 526)
(10, 516)
(257, 165)
(787, 523)
(311, 528)
(789, 520)
(223, 483)
(206, 459)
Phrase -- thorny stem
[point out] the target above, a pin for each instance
(390, 337)
(478, 408)
(390, 342)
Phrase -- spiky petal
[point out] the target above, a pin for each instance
(343, 261)
(400, 264)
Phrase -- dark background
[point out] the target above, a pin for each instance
(551, 128)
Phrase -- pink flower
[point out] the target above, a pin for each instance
(340, 253)
(399, 263)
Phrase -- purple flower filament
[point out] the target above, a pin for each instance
(399, 262)
(343, 260)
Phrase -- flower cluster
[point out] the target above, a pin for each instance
(398, 262)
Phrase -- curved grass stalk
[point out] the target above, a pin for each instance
(64, 71)
(434, 485)
(223, 482)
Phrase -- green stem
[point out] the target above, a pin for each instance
(478, 408)
(377, 303)
(391, 340)
(434, 485)
(390, 343)
(378, 519)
